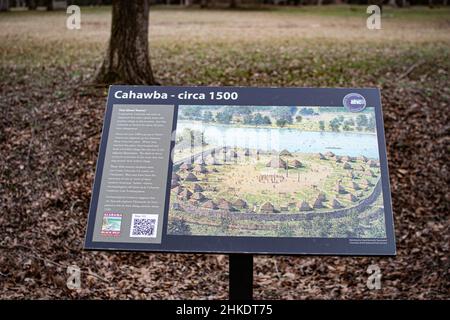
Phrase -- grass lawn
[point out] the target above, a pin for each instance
(330, 47)
(51, 120)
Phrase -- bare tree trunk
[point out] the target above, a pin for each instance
(4, 5)
(31, 4)
(203, 3)
(234, 4)
(127, 59)
(49, 5)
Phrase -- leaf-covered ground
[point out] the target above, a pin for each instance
(51, 119)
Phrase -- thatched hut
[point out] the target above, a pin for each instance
(185, 195)
(322, 197)
(277, 163)
(193, 202)
(198, 196)
(336, 204)
(267, 208)
(225, 205)
(347, 166)
(329, 154)
(355, 186)
(176, 206)
(352, 197)
(233, 154)
(191, 177)
(240, 204)
(197, 188)
(338, 159)
(373, 164)
(295, 164)
(321, 156)
(210, 205)
(175, 180)
(363, 159)
(304, 206)
(177, 190)
(346, 158)
(318, 204)
(340, 189)
(285, 153)
(186, 166)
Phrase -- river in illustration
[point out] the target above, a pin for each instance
(341, 143)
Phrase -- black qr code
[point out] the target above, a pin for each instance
(143, 226)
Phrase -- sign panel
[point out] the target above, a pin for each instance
(242, 170)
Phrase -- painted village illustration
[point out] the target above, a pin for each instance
(276, 172)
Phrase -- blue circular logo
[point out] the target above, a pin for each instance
(354, 102)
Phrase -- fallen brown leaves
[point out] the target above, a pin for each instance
(49, 134)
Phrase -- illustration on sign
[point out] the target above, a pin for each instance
(255, 170)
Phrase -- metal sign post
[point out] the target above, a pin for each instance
(241, 277)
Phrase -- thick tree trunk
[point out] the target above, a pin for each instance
(127, 59)
(4, 5)
(31, 4)
(49, 5)
(234, 4)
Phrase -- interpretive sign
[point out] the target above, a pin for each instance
(242, 170)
